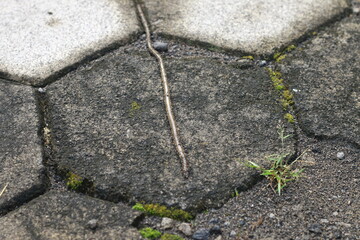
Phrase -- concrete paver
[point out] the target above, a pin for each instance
(325, 74)
(40, 38)
(109, 125)
(65, 215)
(252, 26)
(20, 146)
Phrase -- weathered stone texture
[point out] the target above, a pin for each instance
(64, 215)
(109, 125)
(325, 74)
(20, 146)
(40, 38)
(252, 26)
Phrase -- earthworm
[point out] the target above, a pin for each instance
(167, 100)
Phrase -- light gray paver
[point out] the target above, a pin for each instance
(40, 38)
(20, 147)
(325, 74)
(252, 26)
(64, 215)
(109, 125)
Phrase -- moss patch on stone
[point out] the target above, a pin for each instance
(73, 181)
(279, 56)
(163, 211)
(248, 57)
(167, 236)
(149, 233)
(286, 97)
(289, 117)
(135, 107)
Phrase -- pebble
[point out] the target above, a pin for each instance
(340, 155)
(338, 235)
(262, 63)
(167, 223)
(335, 213)
(226, 224)
(92, 224)
(218, 237)
(315, 228)
(214, 221)
(356, 6)
(242, 222)
(161, 46)
(185, 228)
(201, 234)
(271, 215)
(233, 234)
(324, 220)
(41, 90)
(343, 224)
(215, 230)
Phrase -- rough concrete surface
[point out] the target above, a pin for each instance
(65, 215)
(21, 166)
(40, 38)
(250, 26)
(109, 125)
(325, 72)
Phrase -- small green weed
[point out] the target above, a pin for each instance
(280, 171)
(150, 233)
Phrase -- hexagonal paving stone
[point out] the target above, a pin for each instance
(41, 38)
(325, 74)
(64, 215)
(252, 26)
(109, 125)
(20, 147)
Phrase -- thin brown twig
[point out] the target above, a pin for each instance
(167, 100)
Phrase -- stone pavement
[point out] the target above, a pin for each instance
(82, 104)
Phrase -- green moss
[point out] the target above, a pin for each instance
(139, 207)
(290, 48)
(134, 108)
(289, 117)
(277, 54)
(280, 58)
(248, 57)
(73, 181)
(162, 211)
(150, 233)
(287, 95)
(167, 236)
(276, 79)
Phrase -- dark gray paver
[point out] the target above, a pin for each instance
(253, 26)
(65, 215)
(109, 125)
(325, 74)
(40, 38)
(20, 146)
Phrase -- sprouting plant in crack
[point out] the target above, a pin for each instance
(281, 171)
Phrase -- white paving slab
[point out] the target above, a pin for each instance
(41, 37)
(253, 26)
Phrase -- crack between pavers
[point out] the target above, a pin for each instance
(304, 37)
